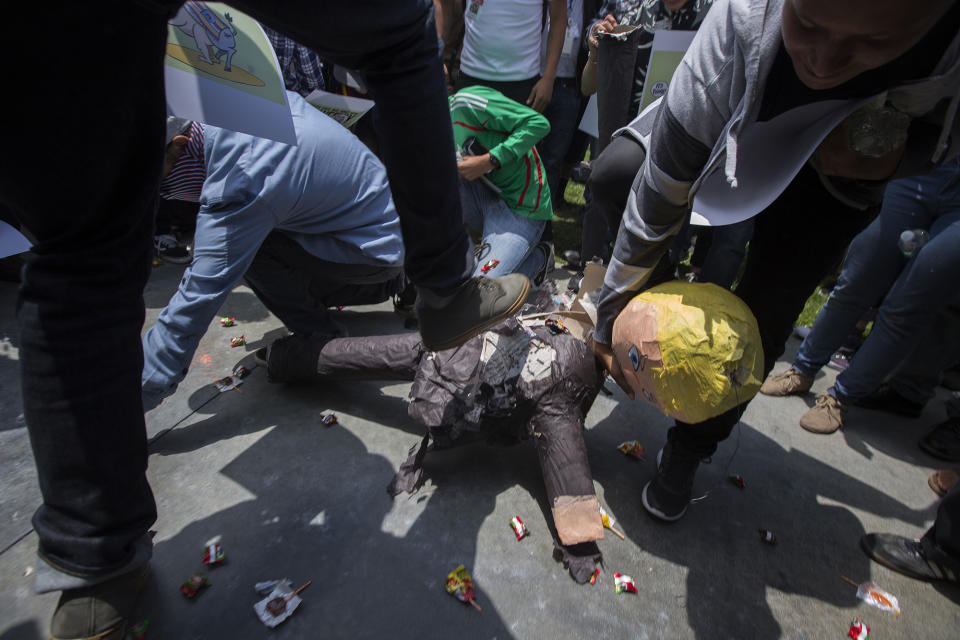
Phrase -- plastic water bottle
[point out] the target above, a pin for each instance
(912, 240)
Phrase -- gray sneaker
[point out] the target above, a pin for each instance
(789, 383)
(480, 304)
(99, 612)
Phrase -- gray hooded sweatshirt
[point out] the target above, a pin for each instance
(714, 97)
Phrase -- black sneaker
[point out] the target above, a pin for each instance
(572, 258)
(908, 557)
(666, 496)
(170, 250)
(480, 304)
(943, 441)
(101, 611)
(888, 400)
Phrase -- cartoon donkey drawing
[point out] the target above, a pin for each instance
(199, 22)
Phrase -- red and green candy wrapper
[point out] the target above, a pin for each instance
(518, 527)
(633, 448)
(193, 584)
(138, 631)
(460, 586)
(737, 480)
(241, 371)
(858, 630)
(624, 583)
(488, 265)
(596, 574)
(213, 554)
(238, 341)
(227, 322)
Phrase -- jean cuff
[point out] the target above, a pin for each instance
(51, 578)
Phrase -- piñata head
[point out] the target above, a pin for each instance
(690, 349)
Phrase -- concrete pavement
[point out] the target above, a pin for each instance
(288, 497)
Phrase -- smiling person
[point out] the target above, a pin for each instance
(797, 113)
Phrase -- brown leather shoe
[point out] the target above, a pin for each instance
(789, 383)
(942, 481)
(826, 416)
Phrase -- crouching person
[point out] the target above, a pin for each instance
(310, 226)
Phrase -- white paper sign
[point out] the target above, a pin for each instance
(12, 241)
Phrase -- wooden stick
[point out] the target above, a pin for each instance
(846, 579)
(238, 389)
(475, 605)
(617, 532)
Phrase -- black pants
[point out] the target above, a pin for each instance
(91, 206)
(517, 90)
(298, 287)
(797, 241)
(942, 541)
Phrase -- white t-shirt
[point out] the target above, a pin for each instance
(501, 39)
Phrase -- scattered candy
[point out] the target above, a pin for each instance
(624, 583)
(518, 527)
(138, 631)
(238, 341)
(737, 480)
(488, 265)
(870, 593)
(555, 325)
(596, 574)
(213, 554)
(227, 322)
(608, 522)
(858, 630)
(241, 371)
(279, 604)
(768, 537)
(633, 448)
(328, 419)
(193, 584)
(460, 586)
(227, 383)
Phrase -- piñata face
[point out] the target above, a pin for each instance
(690, 349)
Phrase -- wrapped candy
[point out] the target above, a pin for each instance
(227, 322)
(460, 586)
(870, 593)
(238, 341)
(858, 630)
(488, 265)
(624, 583)
(193, 584)
(555, 325)
(737, 480)
(213, 554)
(518, 527)
(328, 419)
(240, 371)
(227, 383)
(633, 448)
(596, 574)
(768, 537)
(280, 603)
(138, 631)
(608, 522)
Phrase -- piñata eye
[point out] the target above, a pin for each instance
(634, 357)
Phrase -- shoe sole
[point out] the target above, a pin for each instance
(935, 486)
(936, 454)
(818, 431)
(656, 513)
(458, 340)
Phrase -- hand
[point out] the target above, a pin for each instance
(541, 94)
(472, 167)
(607, 360)
(606, 25)
(834, 158)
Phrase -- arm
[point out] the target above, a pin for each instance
(588, 83)
(690, 121)
(542, 92)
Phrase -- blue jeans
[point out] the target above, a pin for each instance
(511, 238)
(80, 307)
(563, 112)
(939, 349)
(913, 290)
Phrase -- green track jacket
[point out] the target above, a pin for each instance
(509, 131)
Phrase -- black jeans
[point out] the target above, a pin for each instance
(942, 541)
(80, 308)
(298, 287)
(611, 176)
(797, 241)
